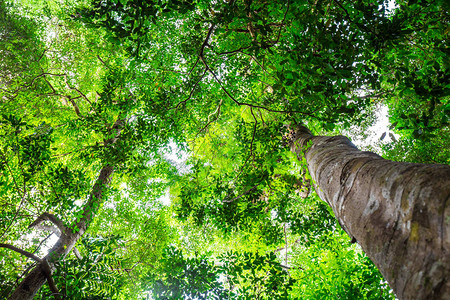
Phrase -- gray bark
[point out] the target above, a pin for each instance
(398, 212)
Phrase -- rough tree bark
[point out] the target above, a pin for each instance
(398, 212)
(31, 284)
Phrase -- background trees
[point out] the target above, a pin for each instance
(218, 80)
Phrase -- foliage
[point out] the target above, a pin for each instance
(238, 276)
(330, 268)
(219, 82)
(95, 275)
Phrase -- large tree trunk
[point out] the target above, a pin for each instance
(398, 212)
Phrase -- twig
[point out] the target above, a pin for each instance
(349, 18)
(75, 107)
(282, 23)
(77, 90)
(101, 60)
(248, 104)
(234, 51)
(217, 113)
(19, 192)
(42, 242)
(192, 91)
(285, 244)
(53, 229)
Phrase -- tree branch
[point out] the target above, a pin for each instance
(53, 229)
(217, 113)
(45, 267)
(49, 217)
(202, 48)
(248, 104)
(75, 106)
(23, 252)
(77, 253)
(242, 194)
(192, 91)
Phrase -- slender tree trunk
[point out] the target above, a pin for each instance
(398, 212)
(31, 284)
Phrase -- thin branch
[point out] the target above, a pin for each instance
(285, 244)
(192, 91)
(101, 60)
(258, 63)
(283, 266)
(248, 104)
(23, 252)
(77, 90)
(19, 192)
(77, 253)
(53, 229)
(282, 23)
(262, 120)
(349, 18)
(216, 112)
(242, 194)
(42, 242)
(5, 161)
(283, 248)
(193, 67)
(42, 55)
(234, 51)
(50, 85)
(42, 75)
(75, 107)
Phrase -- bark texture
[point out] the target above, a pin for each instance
(398, 212)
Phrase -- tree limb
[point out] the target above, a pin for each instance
(45, 267)
(23, 252)
(53, 229)
(49, 217)
(77, 253)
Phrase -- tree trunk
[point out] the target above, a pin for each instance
(31, 284)
(398, 212)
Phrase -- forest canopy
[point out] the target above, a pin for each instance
(145, 145)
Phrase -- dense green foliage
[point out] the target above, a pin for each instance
(215, 83)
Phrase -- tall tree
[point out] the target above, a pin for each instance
(397, 212)
(219, 79)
